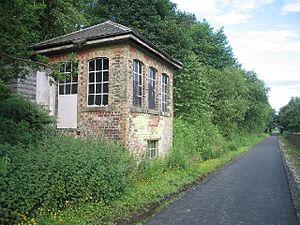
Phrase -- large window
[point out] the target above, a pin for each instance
(137, 83)
(164, 92)
(98, 82)
(151, 88)
(68, 85)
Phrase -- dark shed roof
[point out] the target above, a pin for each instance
(98, 32)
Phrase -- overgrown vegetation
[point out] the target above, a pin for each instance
(219, 107)
(43, 169)
(289, 115)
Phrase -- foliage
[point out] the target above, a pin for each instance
(289, 115)
(158, 181)
(60, 170)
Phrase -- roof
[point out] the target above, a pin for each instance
(100, 33)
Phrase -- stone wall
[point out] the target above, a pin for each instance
(119, 120)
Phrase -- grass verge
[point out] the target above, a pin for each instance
(293, 155)
(144, 195)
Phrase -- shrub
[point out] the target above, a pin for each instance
(194, 140)
(19, 109)
(57, 170)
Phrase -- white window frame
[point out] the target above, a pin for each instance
(152, 81)
(101, 93)
(164, 92)
(152, 149)
(70, 81)
(140, 83)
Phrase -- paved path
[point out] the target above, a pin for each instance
(253, 191)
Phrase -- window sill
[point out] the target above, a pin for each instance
(166, 114)
(101, 108)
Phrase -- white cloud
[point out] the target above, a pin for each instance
(291, 8)
(231, 18)
(222, 12)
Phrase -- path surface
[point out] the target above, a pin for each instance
(253, 191)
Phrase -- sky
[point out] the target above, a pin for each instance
(264, 36)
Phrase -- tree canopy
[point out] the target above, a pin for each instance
(211, 85)
(289, 115)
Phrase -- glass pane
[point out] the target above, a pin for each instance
(135, 66)
(68, 77)
(91, 77)
(99, 64)
(61, 89)
(68, 67)
(91, 100)
(62, 68)
(92, 65)
(74, 89)
(105, 100)
(140, 91)
(98, 88)
(98, 77)
(105, 64)
(91, 89)
(98, 100)
(105, 76)
(105, 88)
(74, 77)
(140, 80)
(140, 68)
(68, 89)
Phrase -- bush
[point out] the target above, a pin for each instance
(19, 109)
(194, 140)
(58, 170)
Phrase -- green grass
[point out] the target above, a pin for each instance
(145, 193)
(293, 153)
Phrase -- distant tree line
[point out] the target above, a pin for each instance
(211, 87)
(289, 115)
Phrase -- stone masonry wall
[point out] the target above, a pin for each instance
(102, 121)
(119, 120)
(144, 123)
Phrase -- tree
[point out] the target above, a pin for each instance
(289, 115)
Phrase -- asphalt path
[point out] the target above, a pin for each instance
(253, 190)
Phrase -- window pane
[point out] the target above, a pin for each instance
(99, 64)
(68, 67)
(105, 76)
(140, 79)
(61, 89)
(105, 64)
(91, 100)
(98, 100)
(98, 88)
(68, 89)
(68, 77)
(140, 68)
(74, 89)
(91, 77)
(135, 66)
(105, 88)
(105, 100)
(91, 89)
(92, 65)
(98, 77)
(62, 68)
